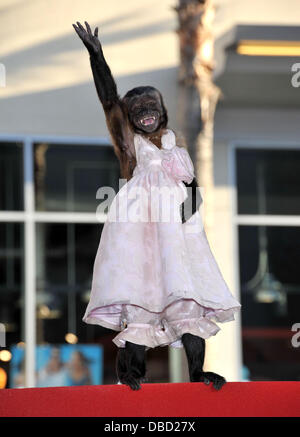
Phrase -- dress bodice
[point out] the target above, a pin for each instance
(173, 159)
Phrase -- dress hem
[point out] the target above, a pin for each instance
(169, 333)
(182, 295)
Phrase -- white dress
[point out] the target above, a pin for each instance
(154, 278)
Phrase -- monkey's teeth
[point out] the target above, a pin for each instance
(148, 120)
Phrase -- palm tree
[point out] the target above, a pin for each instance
(198, 95)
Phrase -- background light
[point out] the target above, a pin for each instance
(3, 378)
(268, 48)
(71, 338)
(5, 355)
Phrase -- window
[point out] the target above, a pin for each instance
(41, 182)
(11, 177)
(268, 181)
(11, 279)
(268, 220)
(65, 257)
(67, 177)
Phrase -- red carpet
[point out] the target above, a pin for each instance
(236, 399)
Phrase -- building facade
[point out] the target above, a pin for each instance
(55, 153)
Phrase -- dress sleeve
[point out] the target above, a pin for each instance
(178, 164)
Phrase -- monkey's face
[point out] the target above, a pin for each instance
(146, 110)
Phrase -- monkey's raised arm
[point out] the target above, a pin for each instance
(115, 113)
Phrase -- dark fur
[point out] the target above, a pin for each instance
(123, 117)
(195, 351)
(131, 365)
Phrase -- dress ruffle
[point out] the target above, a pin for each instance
(150, 329)
(170, 334)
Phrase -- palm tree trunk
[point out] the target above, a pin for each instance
(198, 95)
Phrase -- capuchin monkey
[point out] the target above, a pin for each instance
(141, 111)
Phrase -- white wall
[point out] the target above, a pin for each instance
(49, 87)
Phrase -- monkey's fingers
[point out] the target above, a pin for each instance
(88, 29)
(76, 29)
(80, 26)
(90, 41)
(79, 32)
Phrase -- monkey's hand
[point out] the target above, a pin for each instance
(104, 81)
(89, 39)
(193, 201)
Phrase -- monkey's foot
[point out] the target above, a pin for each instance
(207, 377)
(132, 381)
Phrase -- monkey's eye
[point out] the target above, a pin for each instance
(135, 107)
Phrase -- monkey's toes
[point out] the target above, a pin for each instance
(217, 380)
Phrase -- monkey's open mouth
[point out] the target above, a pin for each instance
(148, 121)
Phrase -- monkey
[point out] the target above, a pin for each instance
(124, 116)
(141, 110)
